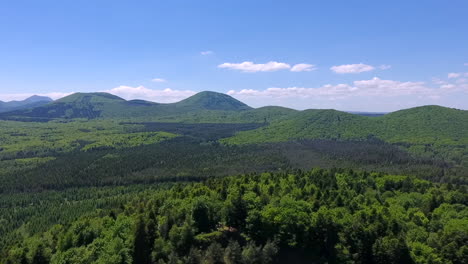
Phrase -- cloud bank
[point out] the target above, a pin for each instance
(374, 87)
(374, 94)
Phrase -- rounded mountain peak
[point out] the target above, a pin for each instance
(208, 100)
(90, 97)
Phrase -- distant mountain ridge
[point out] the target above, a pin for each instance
(422, 125)
(30, 102)
(104, 105)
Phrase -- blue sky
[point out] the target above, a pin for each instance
(352, 55)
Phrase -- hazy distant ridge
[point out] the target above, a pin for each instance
(33, 101)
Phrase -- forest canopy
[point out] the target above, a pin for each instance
(321, 216)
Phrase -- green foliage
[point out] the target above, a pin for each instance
(319, 216)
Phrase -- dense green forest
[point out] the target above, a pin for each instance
(112, 157)
(93, 178)
(320, 216)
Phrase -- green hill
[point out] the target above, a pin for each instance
(211, 101)
(308, 124)
(424, 125)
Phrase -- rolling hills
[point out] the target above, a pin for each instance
(422, 125)
(104, 105)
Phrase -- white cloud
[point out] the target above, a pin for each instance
(352, 68)
(248, 66)
(161, 96)
(385, 67)
(453, 75)
(303, 67)
(22, 96)
(461, 80)
(448, 86)
(206, 52)
(159, 80)
(438, 81)
(379, 87)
